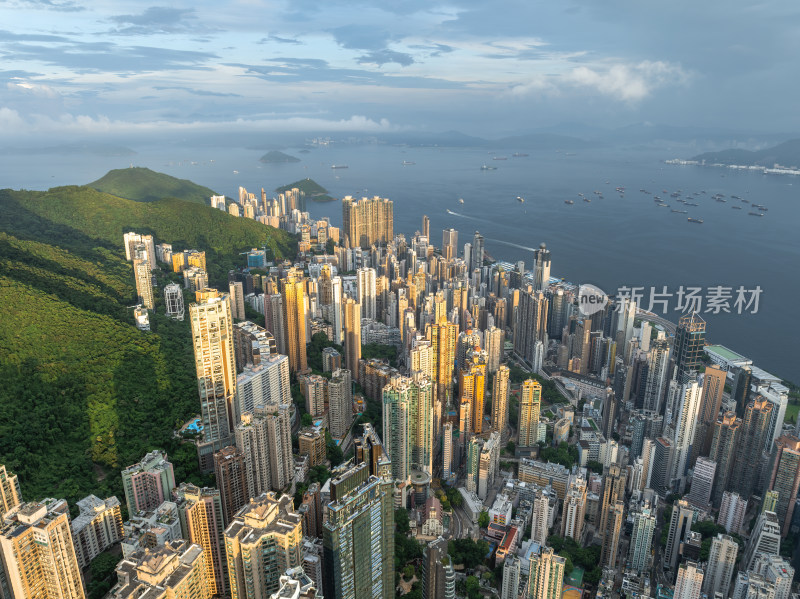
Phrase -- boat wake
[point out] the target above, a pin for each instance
(513, 245)
(464, 216)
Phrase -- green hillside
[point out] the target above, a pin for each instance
(785, 154)
(275, 157)
(182, 223)
(84, 392)
(143, 185)
(311, 188)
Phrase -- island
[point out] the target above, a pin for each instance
(276, 157)
(312, 190)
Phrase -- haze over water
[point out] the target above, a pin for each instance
(609, 242)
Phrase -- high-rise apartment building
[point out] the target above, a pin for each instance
(546, 576)
(721, 563)
(173, 300)
(702, 482)
(438, 575)
(203, 523)
(540, 518)
(131, 240)
(644, 525)
(442, 336)
(750, 448)
(143, 277)
(231, 480)
(38, 556)
(732, 510)
(263, 541)
(472, 386)
(500, 399)
(147, 484)
(689, 582)
(683, 516)
(215, 365)
(340, 403)
(541, 268)
(530, 325)
(574, 510)
(367, 222)
(294, 312)
(352, 336)
(358, 536)
(97, 527)
(367, 294)
(530, 401)
(723, 452)
(784, 478)
(175, 569)
(10, 495)
(267, 384)
(264, 438)
(764, 538)
(710, 402)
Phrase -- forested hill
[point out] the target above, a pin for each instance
(84, 392)
(143, 185)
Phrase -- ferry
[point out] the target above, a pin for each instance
(695, 220)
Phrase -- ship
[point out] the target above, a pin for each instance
(408, 162)
(460, 200)
(339, 166)
(499, 158)
(587, 200)
(695, 220)
(756, 213)
(681, 211)
(520, 199)
(569, 201)
(488, 168)
(736, 207)
(760, 207)
(519, 154)
(690, 204)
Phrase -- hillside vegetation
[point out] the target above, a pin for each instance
(143, 185)
(182, 223)
(785, 154)
(311, 188)
(84, 392)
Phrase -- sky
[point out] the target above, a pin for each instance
(106, 69)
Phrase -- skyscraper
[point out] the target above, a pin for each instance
(293, 291)
(683, 516)
(764, 538)
(10, 496)
(574, 509)
(173, 299)
(144, 278)
(472, 385)
(685, 423)
(148, 483)
(262, 541)
(614, 520)
(690, 339)
(702, 482)
(545, 580)
(449, 244)
(442, 336)
(477, 252)
(511, 578)
(784, 478)
(215, 364)
(500, 399)
(541, 268)
(396, 440)
(529, 406)
(267, 384)
(352, 336)
(274, 320)
(657, 363)
(614, 483)
(367, 222)
(38, 557)
(732, 511)
(530, 325)
(358, 536)
(721, 561)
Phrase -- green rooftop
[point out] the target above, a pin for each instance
(725, 353)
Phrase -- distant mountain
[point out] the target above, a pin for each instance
(785, 154)
(140, 184)
(543, 141)
(313, 190)
(89, 148)
(274, 157)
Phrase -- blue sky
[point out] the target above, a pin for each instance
(83, 68)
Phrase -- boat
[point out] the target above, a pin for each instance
(520, 199)
(695, 220)
(339, 166)
(690, 204)
(569, 202)
(587, 200)
(488, 168)
(662, 205)
(736, 197)
(760, 207)
(519, 154)
(736, 207)
(681, 211)
(722, 200)
(460, 200)
(235, 172)
(499, 158)
(408, 162)
(756, 213)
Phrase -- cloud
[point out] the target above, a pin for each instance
(9, 36)
(385, 56)
(197, 92)
(279, 40)
(65, 6)
(156, 20)
(433, 49)
(630, 83)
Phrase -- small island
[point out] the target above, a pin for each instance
(276, 157)
(312, 190)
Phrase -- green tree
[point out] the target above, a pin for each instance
(483, 519)
(401, 521)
